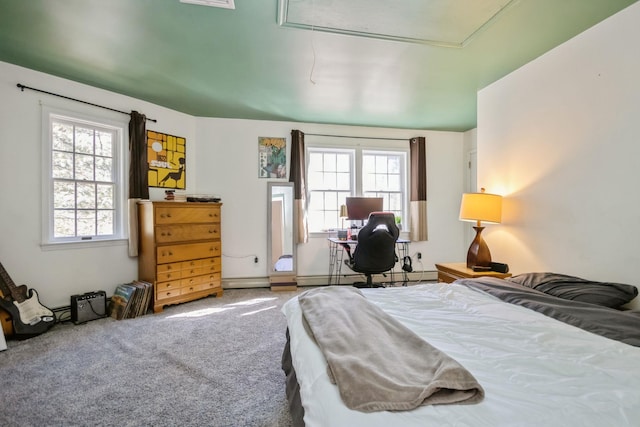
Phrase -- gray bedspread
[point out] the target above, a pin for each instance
(376, 362)
(615, 324)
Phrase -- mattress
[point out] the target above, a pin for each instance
(535, 370)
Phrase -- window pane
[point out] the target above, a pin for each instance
(329, 181)
(62, 136)
(381, 182)
(104, 144)
(62, 165)
(381, 164)
(105, 196)
(86, 223)
(86, 196)
(315, 162)
(84, 140)
(103, 169)
(343, 181)
(330, 162)
(343, 163)
(394, 183)
(64, 195)
(394, 164)
(84, 167)
(64, 223)
(105, 223)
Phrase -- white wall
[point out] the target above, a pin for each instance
(559, 138)
(57, 274)
(227, 165)
(221, 159)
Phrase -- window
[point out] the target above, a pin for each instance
(336, 173)
(83, 182)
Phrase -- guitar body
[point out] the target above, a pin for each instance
(28, 317)
(39, 318)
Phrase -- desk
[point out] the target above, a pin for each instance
(336, 257)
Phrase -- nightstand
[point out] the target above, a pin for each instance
(450, 272)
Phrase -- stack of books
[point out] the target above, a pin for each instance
(131, 300)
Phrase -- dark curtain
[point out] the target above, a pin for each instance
(418, 189)
(296, 175)
(138, 177)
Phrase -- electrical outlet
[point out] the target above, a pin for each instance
(419, 255)
(255, 260)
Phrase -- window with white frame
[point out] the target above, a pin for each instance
(333, 174)
(83, 179)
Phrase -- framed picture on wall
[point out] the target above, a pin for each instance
(272, 157)
(166, 157)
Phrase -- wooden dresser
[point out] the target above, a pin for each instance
(180, 250)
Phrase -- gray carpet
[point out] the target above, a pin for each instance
(211, 362)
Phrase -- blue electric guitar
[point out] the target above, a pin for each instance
(28, 317)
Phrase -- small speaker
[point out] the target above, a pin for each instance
(89, 306)
(499, 267)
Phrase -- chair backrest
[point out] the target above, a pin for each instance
(376, 249)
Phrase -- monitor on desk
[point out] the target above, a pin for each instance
(359, 208)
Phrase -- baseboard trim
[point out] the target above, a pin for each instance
(320, 280)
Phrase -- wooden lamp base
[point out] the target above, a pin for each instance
(478, 253)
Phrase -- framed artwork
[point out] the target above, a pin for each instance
(166, 160)
(272, 157)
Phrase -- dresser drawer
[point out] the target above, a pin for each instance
(174, 253)
(191, 272)
(167, 293)
(167, 268)
(168, 286)
(169, 275)
(184, 232)
(191, 214)
(211, 265)
(213, 278)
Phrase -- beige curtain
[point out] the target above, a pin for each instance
(296, 176)
(138, 177)
(418, 190)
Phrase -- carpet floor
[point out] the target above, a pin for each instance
(211, 362)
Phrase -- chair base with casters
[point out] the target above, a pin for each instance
(369, 283)
(376, 249)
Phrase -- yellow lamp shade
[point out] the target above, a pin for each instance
(343, 211)
(481, 207)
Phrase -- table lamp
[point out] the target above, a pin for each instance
(343, 213)
(480, 207)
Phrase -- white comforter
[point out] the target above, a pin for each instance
(535, 370)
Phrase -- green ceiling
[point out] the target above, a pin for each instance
(241, 63)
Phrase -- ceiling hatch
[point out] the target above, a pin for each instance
(226, 4)
(449, 23)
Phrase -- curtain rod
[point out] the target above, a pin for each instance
(23, 87)
(358, 137)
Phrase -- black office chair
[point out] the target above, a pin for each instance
(376, 249)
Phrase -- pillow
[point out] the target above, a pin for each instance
(611, 295)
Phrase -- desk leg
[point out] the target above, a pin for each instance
(405, 252)
(333, 253)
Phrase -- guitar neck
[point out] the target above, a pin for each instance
(7, 285)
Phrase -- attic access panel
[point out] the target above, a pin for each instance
(225, 4)
(449, 23)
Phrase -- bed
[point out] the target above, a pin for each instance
(534, 370)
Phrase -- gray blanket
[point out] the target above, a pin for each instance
(376, 362)
(618, 325)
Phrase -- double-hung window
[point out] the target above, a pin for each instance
(335, 173)
(82, 183)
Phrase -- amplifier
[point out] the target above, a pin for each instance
(89, 306)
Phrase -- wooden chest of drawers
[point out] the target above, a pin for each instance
(180, 250)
